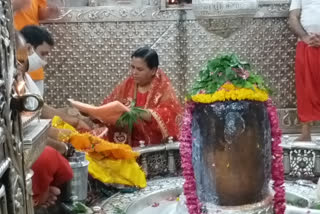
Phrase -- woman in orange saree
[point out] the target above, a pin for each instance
(148, 87)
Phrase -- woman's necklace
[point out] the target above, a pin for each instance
(144, 89)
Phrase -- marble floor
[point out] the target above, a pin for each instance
(118, 203)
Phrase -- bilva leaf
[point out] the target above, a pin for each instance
(219, 70)
(128, 119)
(248, 85)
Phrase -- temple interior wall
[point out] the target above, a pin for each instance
(93, 47)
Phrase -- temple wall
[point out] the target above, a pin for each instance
(93, 47)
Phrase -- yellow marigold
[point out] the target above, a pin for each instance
(229, 92)
(228, 86)
(100, 148)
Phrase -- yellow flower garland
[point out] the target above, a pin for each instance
(108, 162)
(230, 92)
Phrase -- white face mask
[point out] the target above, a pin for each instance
(35, 62)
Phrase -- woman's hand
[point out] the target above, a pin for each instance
(146, 115)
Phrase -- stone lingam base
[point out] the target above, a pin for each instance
(165, 196)
(127, 202)
(262, 207)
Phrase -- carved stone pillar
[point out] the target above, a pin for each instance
(11, 161)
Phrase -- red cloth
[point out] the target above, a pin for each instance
(50, 169)
(141, 99)
(161, 101)
(308, 82)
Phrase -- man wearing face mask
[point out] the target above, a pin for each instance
(40, 43)
(51, 169)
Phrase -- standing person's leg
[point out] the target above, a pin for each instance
(303, 103)
(307, 87)
(305, 132)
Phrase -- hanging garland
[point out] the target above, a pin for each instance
(277, 168)
(190, 192)
(227, 78)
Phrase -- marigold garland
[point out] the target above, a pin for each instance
(95, 146)
(100, 149)
(230, 92)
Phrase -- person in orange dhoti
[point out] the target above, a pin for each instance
(304, 20)
(149, 88)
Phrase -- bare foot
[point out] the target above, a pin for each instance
(302, 138)
(305, 133)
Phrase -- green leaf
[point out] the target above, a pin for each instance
(128, 119)
(230, 74)
(219, 70)
(248, 85)
(316, 206)
(79, 208)
(118, 210)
